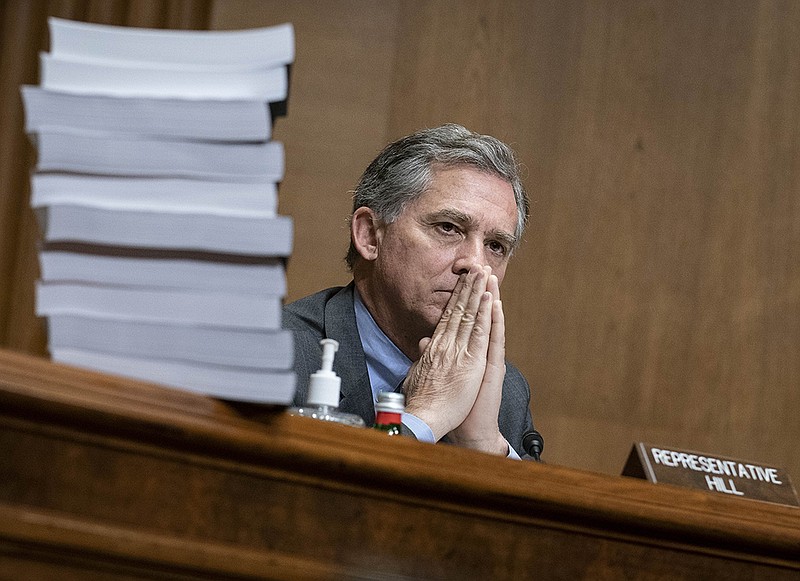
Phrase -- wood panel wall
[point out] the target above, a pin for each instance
(657, 294)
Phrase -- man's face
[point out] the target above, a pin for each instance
(466, 218)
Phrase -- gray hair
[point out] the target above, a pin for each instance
(404, 170)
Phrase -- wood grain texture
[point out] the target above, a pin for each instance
(657, 295)
(340, 93)
(24, 34)
(103, 474)
(36, 544)
(21, 39)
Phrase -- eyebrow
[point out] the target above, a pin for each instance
(463, 219)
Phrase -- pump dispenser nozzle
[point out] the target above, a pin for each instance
(329, 347)
(325, 384)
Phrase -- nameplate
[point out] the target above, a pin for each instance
(714, 473)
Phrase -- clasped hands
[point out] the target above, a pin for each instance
(457, 383)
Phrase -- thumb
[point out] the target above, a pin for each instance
(423, 344)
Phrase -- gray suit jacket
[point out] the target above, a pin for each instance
(330, 314)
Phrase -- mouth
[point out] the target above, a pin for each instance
(442, 297)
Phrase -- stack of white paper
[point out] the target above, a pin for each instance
(156, 184)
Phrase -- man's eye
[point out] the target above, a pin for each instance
(446, 227)
(497, 248)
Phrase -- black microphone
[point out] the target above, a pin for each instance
(533, 443)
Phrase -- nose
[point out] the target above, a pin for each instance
(470, 253)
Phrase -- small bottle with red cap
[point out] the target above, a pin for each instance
(389, 411)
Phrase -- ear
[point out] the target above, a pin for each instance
(366, 232)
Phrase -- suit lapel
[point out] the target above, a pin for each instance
(350, 362)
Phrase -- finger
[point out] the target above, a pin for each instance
(423, 343)
(474, 305)
(498, 318)
(477, 335)
(493, 286)
(468, 301)
(496, 356)
(447, 314)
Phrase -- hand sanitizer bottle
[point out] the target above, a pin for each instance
(322, 402)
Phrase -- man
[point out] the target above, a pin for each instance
(436, 217)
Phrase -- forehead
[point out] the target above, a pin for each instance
(482, 196)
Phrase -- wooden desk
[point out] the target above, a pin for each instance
(104, 478)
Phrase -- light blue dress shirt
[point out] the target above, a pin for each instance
(386, 364)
